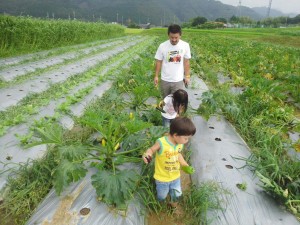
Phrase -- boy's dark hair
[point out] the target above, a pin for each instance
(180, 97)
(182, 126)
(174, 29)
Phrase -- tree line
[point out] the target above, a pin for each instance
(202, 22)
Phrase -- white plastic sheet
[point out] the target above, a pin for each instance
(65, 210)
(216, 147)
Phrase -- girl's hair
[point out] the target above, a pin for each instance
(180, 97)
(182, 126)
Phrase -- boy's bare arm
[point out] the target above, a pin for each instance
(182, 160)
(150, 151)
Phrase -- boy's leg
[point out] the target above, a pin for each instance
(162, 189)
(176, 193)
(175, 190)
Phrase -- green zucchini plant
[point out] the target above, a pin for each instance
(115, 140)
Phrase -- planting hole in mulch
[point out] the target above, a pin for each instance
(229, 166)
(21, 90)
(9, 157)
(8, 95)
(218, 139)
(85, 211)
(211, 127)
(224, 159)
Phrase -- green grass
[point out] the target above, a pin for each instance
(133, 31)
(201, 200)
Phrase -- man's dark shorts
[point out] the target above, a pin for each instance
(167, 88)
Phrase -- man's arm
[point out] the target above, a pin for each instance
(157, 71)
(187, 76)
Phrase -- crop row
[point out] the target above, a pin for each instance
(54, 102)
(25, 34)
(13, 73)
(110, 69)
(36, 86)
(265, 110)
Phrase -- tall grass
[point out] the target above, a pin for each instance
(202, 202)
(25, 34)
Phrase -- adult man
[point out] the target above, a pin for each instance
(172, 61)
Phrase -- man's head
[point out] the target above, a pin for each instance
(174, 33)
(181, 129)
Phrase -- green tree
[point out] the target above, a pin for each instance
(295, 20)
(245, 20)
(198, 21)
(234, 19)
(223, 20)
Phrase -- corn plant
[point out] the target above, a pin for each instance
(26, 34)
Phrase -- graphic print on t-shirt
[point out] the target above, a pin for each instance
(171, 162)
(174, 56)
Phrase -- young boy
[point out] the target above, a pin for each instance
(168, 158)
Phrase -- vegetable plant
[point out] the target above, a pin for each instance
(117, 139)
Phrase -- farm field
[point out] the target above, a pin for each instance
(90, 109)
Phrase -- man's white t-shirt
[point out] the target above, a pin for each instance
(172, 57)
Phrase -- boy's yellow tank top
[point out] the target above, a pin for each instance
(167, 166)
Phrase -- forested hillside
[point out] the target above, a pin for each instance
(158, 12)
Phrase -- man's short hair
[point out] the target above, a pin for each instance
(174, 29)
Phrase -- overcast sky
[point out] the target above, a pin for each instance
(286, 6)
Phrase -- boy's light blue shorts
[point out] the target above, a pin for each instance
(164, 188)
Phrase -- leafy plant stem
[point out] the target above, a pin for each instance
(127, 152)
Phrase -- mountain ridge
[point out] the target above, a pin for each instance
(157, 12)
